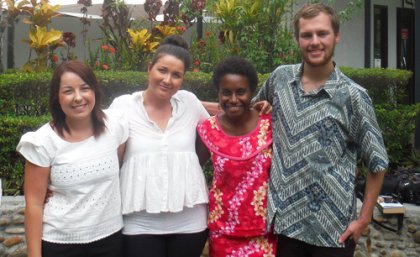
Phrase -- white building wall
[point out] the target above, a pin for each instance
(350, 51)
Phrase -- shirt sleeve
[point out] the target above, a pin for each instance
(266, 91)
(199, 109)
(202, 111)
(368, 135)
(34, 149)
(118, 124)
(116, 103)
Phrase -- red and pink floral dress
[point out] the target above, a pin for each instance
(238, 195)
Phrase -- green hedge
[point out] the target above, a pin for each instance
(11, 163)
(24, 97)
(24, 93)
(398, 124)
(384, 85)
(27, 93)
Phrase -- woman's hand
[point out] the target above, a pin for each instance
(263, 107)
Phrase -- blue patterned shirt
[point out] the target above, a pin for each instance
(318, 138)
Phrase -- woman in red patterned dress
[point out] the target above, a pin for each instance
(239, 140)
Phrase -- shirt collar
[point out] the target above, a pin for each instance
(175, 100)
(140, 97)
(330, 85)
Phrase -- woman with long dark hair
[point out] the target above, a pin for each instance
(75, 156)
(164, 192)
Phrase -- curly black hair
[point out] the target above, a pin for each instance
(235, 65)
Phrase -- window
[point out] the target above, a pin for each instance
(380, 36)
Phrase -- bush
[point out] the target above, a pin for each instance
(384, 85)
(398, 123)
(24, 107)
(24, 93)
(11, 163)
(27, 93)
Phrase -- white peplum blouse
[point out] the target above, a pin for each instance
(161, 171)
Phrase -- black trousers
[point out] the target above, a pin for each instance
(171, 245)
(110, 246)
(289, 247)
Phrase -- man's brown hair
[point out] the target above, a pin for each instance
(309, 11)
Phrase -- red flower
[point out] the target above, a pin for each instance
(112, 50)
(105, 66)
(181, 29)
(197, 63)
(105, 47)
(196, 70)
(54, 58)
(97, 63)
(207, 33)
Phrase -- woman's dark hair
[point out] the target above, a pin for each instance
(87, 75)
(176, 46)
(235, 65)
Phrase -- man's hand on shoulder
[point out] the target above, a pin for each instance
(263, 107)
(211, 107)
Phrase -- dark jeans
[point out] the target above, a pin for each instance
(110, 246)
(171, 245)
(289, 247)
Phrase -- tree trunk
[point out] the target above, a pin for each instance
(11, 46)
(3, 26)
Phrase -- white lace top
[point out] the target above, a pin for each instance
(85, 205)
(161, 171)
